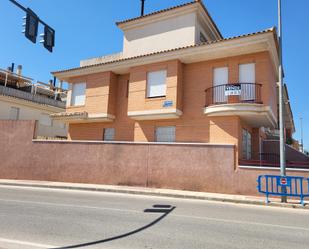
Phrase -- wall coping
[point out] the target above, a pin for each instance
(129, 142)
(271, 168)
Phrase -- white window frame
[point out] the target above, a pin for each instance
(16, 113)
(156, 84)
(109, 134)
(78, 99)
(170, 138)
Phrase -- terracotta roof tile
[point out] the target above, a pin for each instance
(172, 8)
(157, 12)
(273, 30)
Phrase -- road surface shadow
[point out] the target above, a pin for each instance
(165, 209)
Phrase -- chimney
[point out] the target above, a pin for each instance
(51, 84)
(142, 7)
(19, 70)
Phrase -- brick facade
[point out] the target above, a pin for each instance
(186, 84)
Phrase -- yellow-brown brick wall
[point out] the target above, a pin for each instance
(100, 90)
(186, 87)
(138, 100)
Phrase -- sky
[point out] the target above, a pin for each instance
(86, 29)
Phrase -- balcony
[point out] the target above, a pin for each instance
(239, 99)
(40, 99)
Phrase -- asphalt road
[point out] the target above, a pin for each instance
(46, 218)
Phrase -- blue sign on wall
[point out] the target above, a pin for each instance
(167, 103)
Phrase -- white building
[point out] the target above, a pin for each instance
(21, 99)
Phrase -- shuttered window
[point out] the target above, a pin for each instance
(220, 78)
(45, 119)
(78, 94)
(247, 75)
(109, 134)
(14, 113)
(165, 134)
(156, 84)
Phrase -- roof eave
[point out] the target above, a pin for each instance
(170, 55)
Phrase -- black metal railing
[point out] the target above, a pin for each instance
(273, 160)
(233, 93)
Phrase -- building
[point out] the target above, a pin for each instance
(22, 99)
(178, 80)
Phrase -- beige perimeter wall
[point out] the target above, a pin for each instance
(202, 167)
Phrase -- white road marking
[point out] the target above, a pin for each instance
(26, 243)
(72, 206)
(172, 214)
(241, 222)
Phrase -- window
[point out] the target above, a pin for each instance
(45, 119)
(165, 134)
(156, 84)
(220, 77)
(109, 134)
(78, 94)
(246, 144)
(247, 75)
(202, 37)
(14, 113)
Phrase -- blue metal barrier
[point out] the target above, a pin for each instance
(290, 186)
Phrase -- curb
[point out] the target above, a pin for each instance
(156, 192)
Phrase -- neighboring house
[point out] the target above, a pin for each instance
(21, 99)
(178, 80)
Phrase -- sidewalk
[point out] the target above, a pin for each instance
(255, 200)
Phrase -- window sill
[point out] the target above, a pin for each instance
(156, 98)
(75, 106)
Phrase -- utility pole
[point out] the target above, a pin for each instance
(281, 103)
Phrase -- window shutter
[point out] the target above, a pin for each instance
(156, 83)
(109, 134)
(220, 77)
(45, 120)
(247, 75)
(78, 94)
(165, 134)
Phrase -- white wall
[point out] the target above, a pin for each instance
(175, 32)
(32, 112)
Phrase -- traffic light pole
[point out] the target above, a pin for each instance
(26, 10)
(31, 28)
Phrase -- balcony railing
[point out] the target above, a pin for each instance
(31, 97)
(234, 93)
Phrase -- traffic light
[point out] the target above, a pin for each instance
(48, 38)
(30, 25)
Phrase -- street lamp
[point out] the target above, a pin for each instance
(281, 116)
